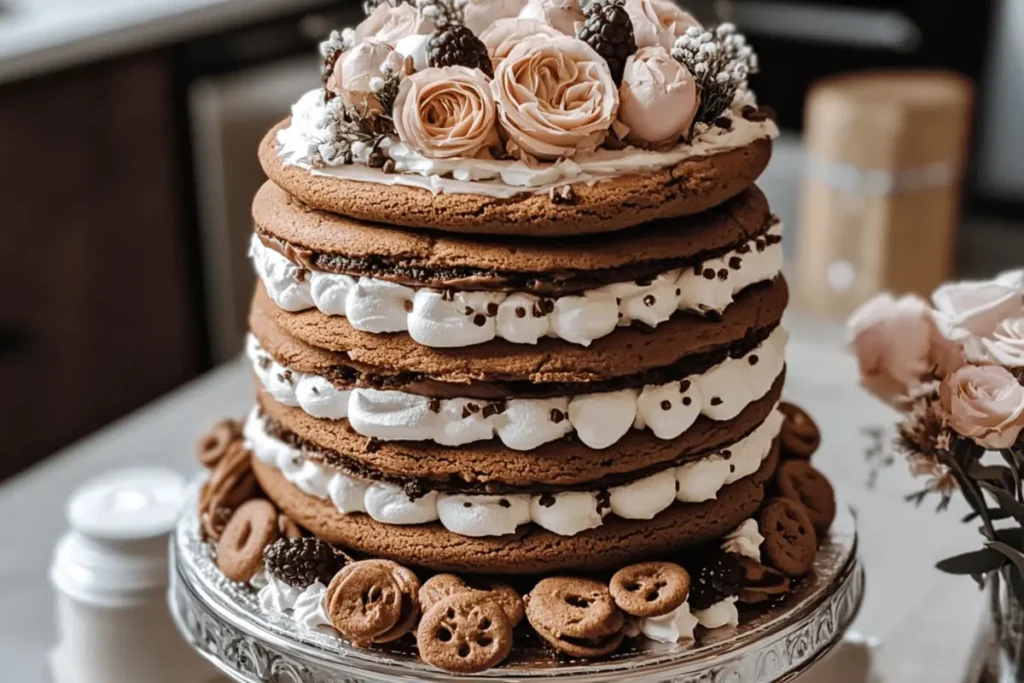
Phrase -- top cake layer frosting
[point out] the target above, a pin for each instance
(523, 129)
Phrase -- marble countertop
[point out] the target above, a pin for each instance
(915, 624)
(37, 36)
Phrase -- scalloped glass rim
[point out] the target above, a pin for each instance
(783, 640)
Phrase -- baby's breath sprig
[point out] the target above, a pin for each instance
(442, 12)
(331, 50)
(353, 133)
(721, 62)
(370, 5)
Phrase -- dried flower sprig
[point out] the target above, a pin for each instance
(370, 5)
(721, 62)
(352, 132)
(331, 51)
(443, 12)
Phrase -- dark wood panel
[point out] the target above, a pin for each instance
(95, 314)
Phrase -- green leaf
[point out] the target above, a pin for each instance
(975, 562)
(1013, 536)
(995, 474)
(1012, 554)
(995, 514)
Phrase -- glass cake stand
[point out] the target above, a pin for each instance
(223, 622)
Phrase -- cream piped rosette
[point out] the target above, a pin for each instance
(447, 112)
(555, 97)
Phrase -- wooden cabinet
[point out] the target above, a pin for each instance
(99, 306)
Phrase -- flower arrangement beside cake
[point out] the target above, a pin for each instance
(517, 342)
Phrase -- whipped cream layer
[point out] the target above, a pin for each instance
(447, 319)
(599, 419)
(565, 513)
(306, 608)
(306, 142)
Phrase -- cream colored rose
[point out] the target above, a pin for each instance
(965, 309)
(985, 403)
(360, 73)
(480, 14)
(504, 34)
(389, 24)
(446, 112)
(1005, 346)
(892, 339)
(658, 22)
(561, 15)
(657, 99)
(555, 97)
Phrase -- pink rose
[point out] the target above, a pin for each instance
(892, 339)
(985, 403)
(555, 97)
(480, 14)
(1005, 346)
(658, 22)
(359, 73)
(446, 112)
(389, 24)
(504, 34)
(561, 15)
(966, 309)
(657, 99)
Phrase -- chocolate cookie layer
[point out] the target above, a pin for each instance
(691, 186)
(490, 467)
(627, 351)
(531, 550)
(322, 241)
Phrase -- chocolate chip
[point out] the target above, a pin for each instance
(716, 401)
(723, 122)
(687, 400)
(468, 310)
(743, 248)
(604, 501)
(546, 500)
(649, 300)
(407, 305)
(760, 243)
(709, 273)
(520, 312)
(752, 359)
(735, 262)
(723, 274)
(504, 502)
(684, 385)
(666, 405)
(492, 309)
(480, 320)
(389, 166)
(467, 504)
(434, 405)
(679, 292)
(557, 415)
(448, 295)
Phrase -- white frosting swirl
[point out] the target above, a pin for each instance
(675, 627)
(599, 419)
(435, 319)
(310, 129)
(722, 613)
(565, 512)
(746, 540)
(304, 607)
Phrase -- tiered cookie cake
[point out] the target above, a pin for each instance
(517, 329)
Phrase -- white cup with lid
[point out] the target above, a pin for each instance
(110, 575)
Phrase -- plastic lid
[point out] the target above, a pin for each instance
(127, 505)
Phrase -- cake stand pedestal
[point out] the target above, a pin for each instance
(222, 621)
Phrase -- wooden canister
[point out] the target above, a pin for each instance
(881, 194)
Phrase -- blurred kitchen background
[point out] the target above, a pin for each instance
(129, 132)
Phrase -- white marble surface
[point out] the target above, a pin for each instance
(913, 626)
(44, 35)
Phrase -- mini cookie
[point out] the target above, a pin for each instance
(790, 542)
(464, 633)
(214, 444)
(799, 481)
(364, 601)
(410, 587)
(650, 589)
(441, 586)
(231, 483)
(252, 528)
(800, 436)
(575, 616)
(761, 583)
